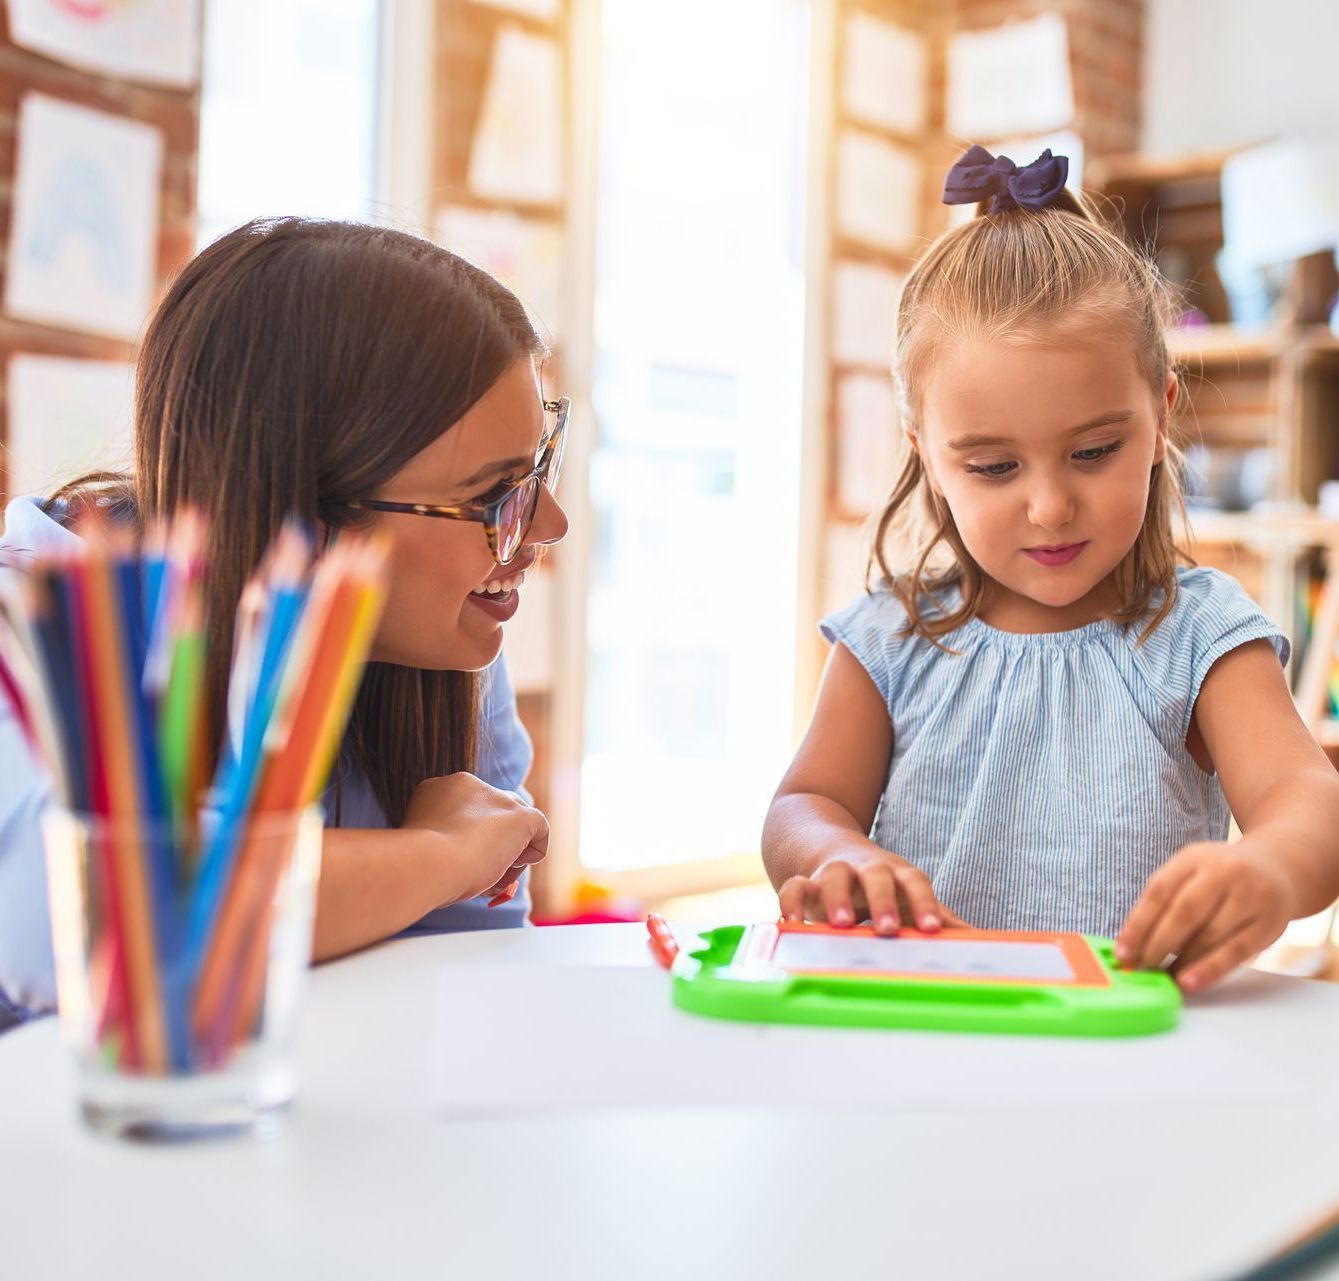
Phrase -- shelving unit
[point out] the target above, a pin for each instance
(1274, 390)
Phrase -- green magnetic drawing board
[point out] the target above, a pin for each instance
(956, 980)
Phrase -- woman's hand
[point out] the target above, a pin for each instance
(866, 883)
(1212, 907)
(489, 837)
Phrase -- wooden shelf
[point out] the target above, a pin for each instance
(1216, 344)
(1304, 527)
(1112, 170)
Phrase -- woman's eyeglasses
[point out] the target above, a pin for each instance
(507, 518)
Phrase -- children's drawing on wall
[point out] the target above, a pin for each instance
(82, 244)
(152, 40)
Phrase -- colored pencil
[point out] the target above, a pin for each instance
(104, 658)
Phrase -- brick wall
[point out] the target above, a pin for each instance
(1106, 50)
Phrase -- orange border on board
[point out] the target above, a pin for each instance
(759, 944)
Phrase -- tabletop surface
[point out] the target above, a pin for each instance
(366, 1181)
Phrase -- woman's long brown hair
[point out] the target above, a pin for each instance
(296, 365)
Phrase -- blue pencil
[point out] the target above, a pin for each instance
(160, 836)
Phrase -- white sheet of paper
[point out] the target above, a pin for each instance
(597, 1036)
(1013, 79)
(878, 191)
(1259, 229)
(525, 254)
(864, 953)
(864, 313)
(884, 74)
(866, 441)
(66, 417)
(544, 10)
(84, 236)
(517, 152)
(153, 40)
(530, 636)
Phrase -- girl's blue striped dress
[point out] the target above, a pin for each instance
(1041, 779)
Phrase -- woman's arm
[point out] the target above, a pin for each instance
(459, 838)
(1215, 905)
(816, 845)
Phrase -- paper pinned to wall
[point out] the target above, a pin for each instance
(66, 417)
(1013, 79)
(866, 442)
(152, 40)
(517, 153)
(526, 254)
(864, 313)
(878, 191)
(84, 236)
(530, 636)
(884, 69)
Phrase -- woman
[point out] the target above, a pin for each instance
(356, 377)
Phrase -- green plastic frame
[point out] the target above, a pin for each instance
(1136, 1003)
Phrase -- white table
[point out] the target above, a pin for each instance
(365, 1183)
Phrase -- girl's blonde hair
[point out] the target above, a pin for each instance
(1017, 274)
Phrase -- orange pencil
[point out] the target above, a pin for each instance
(370, 564)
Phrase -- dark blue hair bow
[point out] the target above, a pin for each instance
(980, 176)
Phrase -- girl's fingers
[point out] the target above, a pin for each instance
(1217, 929)
(922, 907)
(1194, 906)
(880, 897)
(1162, 888)
(1233, 951)
(792, 896)
(834, 882)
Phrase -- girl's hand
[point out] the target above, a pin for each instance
(489, 837)
(867, 884)
(1212, 908)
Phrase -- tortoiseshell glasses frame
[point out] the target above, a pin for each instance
(507, 518)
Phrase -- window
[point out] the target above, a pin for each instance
(699, 318)
(289, 110)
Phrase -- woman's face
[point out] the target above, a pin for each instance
(439, 613)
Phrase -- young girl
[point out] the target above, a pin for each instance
(1043, 721)
(354, 376)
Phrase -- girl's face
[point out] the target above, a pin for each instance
(1043, 454)
(439, 614)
